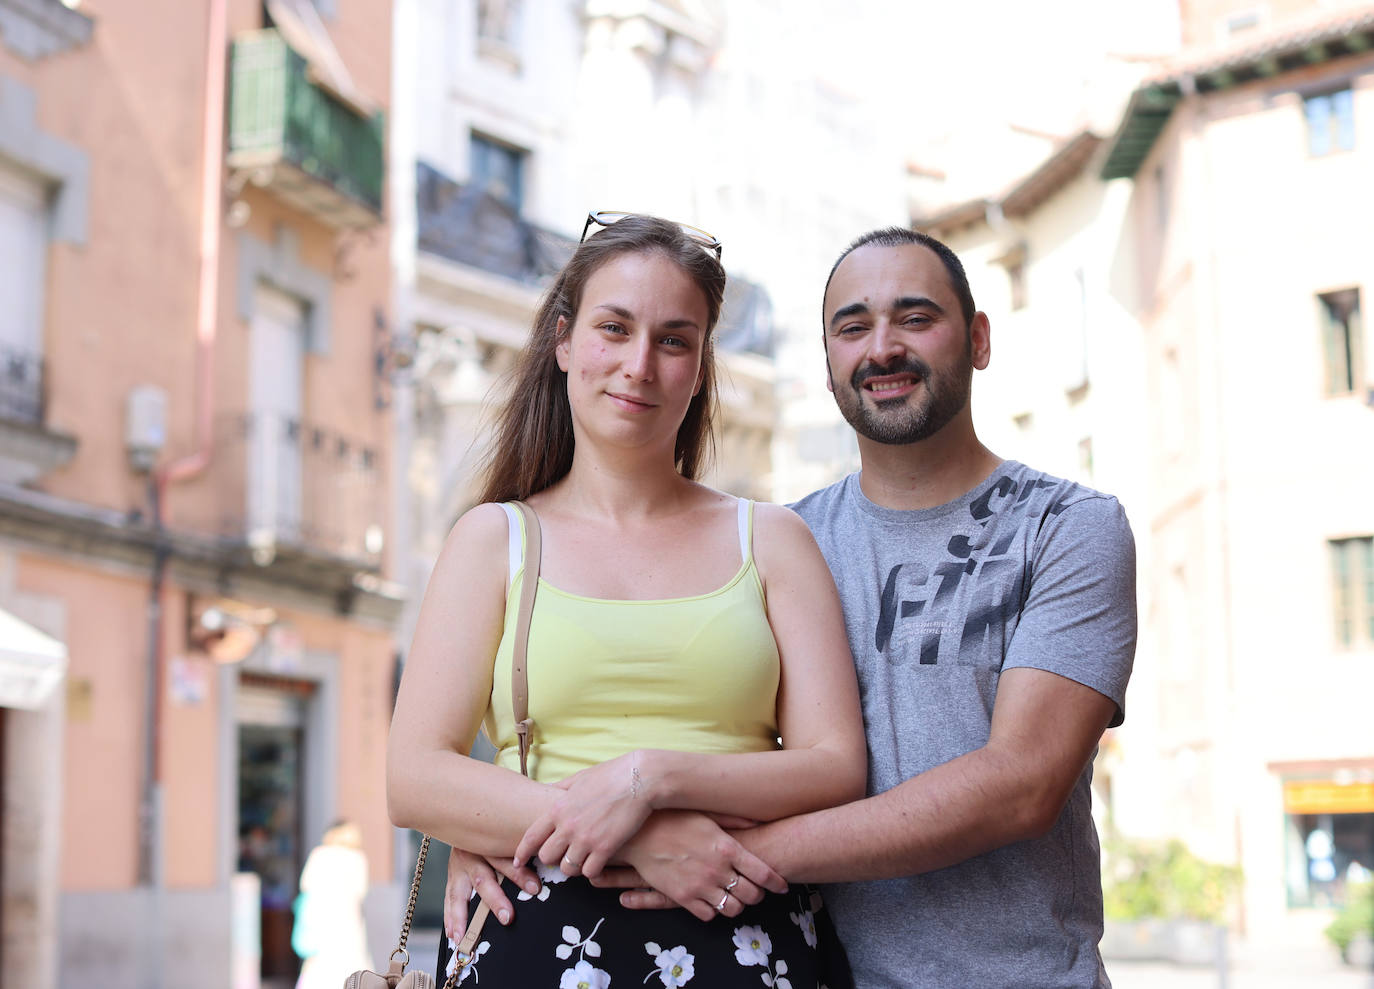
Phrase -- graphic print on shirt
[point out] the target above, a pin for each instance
(978, 579)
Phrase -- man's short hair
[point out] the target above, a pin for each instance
(898, 237)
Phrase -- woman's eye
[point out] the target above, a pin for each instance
(612, 328)
(676, 342)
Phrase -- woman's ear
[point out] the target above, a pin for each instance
(563, 348)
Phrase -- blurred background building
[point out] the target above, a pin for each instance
(262, 265)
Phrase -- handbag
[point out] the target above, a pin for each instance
(396, 976)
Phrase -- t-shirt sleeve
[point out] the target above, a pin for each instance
(1079, 619)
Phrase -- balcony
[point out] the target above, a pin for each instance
(299, 497)
(462, 223)
(294, 138)
(27, 448)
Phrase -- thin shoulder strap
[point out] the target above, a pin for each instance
(519, 666)
(746, 528)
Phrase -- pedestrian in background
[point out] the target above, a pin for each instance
(329, 934)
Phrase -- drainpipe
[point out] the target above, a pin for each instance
(212, 165)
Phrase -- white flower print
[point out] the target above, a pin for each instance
(584, 976)
(675, 967)
(573, 937)
(548, 875)
(778, 982)
(752, 946)
(471, 967)
(806, 920)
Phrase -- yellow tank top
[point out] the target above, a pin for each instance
(693, 674)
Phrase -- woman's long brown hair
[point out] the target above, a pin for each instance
(532, 445)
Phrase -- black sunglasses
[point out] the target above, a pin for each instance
(606, 217)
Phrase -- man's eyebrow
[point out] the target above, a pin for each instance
(917, 302)
(844, 312)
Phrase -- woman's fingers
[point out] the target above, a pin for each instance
(488, 887)
(533, 840)
(746, 891)
(759, 872)
(457, 892)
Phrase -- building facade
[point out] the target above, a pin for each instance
(193, 506)
(1250, 195)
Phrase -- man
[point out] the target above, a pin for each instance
(991, 612)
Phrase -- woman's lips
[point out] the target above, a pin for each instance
(629, 402)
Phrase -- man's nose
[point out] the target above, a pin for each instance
(886, 343)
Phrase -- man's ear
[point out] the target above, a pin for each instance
(980, 340)
(829, 375)
(563, 348)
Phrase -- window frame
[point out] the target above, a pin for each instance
(1351, 575)
(1342, 343)
(518, 155)
(1337, 130)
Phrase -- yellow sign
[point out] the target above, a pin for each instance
(1327, 797)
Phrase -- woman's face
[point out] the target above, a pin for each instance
(634, 352)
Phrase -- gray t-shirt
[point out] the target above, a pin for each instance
(1024, 570)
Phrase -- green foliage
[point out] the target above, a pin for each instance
(1355, 918)
(1167, 881)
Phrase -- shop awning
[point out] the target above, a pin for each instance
(32, 664)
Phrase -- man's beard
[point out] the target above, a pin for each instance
(910, 418)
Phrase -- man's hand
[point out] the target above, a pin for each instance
(697, 866)
(468, 872)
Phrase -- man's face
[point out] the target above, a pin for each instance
(899, 355)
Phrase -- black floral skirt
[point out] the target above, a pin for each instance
(573, 935)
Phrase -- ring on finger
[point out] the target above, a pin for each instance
(569, 860)
(720, 907)
(732, 884)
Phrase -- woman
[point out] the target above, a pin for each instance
(677, 637)
(329, 933)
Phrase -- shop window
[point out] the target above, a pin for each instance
(1329, 837)
(1352, 591)
(499, 170)
(1330, 122)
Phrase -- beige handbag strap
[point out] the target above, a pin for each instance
(520, 699)
(519, 666)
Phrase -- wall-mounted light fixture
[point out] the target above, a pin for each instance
(392, 353)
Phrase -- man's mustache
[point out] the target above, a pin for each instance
(903, 365)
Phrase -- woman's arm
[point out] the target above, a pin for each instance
(432, 784)
(823, 760)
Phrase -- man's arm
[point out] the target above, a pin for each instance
(1063, 674)
(1044, 730)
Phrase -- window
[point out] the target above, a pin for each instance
(498, 21)
(1352, 591)
(498, 169)
(1342, 341)
(1085, 458)
(1330, 122)
(23, 250)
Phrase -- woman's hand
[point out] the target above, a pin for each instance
(599, 810)
(468, 872)
(688, 858)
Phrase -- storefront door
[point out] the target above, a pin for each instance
(271, 715)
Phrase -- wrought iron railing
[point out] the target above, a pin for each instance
(462, 222)
(276, 110)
